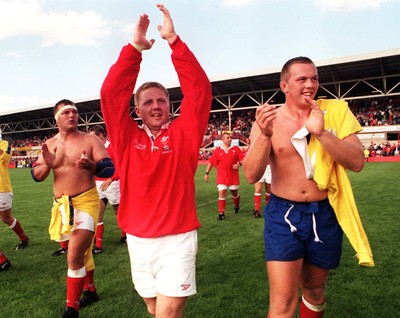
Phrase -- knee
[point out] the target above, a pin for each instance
(315, 295)
(7, 219)
(283, 306)
(75, 261)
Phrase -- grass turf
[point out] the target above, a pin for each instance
(231, 274)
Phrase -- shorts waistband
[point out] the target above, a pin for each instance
(73, 196)
(312, 206)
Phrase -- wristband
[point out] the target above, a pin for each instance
(207, 173)
(105, 168)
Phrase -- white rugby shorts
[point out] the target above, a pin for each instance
(164, 265)
(112, 194)
(225, 187)
(6, 200)
(82, 221)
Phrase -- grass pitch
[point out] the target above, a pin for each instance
(231, 275)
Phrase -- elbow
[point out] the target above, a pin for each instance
(358, 166)
(36, 179)
(104, 91)
(250, 177)
(251, 180)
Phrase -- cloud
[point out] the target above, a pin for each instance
(12, 104)
(27, 18)
(127, 29)
(13, 54)
(352, 5)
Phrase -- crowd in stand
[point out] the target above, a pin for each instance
(32, 141)
(384, 149)
(369, 112)
(377, 112)
(241, 122)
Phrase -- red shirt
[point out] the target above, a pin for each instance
(156, 177)
(223, 160)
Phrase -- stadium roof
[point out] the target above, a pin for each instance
(372, 75)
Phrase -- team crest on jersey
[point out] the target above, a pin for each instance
(139, 146)
(165, 146)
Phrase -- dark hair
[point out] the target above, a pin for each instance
(98, 130)
(148, 85)
(288, 64)
(62, 103)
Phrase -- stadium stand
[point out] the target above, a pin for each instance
(370, 83)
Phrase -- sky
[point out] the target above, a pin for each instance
(55, 49)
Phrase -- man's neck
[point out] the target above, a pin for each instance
(292, 110)
(68, 133)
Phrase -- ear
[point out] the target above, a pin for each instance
(283, 86)
(137, 111)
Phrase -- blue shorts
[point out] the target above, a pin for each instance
(309, 230)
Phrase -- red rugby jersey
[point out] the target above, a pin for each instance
(223, 160)
(156, 177)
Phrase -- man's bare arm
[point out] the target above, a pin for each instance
(44, 164)
(256, 160)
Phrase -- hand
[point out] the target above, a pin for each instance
(83, 162)
(167, 30)
(139, 38)
(313, 120)
(265, 115)
(48, 157)
(236, 166)
(206, 178)
(104, 186)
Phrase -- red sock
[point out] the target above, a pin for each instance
(99, 235)
(236, 201)
(306, 312)
(257, 201)
(89, 281)
(17, 228)
(221, 205)
(64, 245)
(3, 258)
(74, 289)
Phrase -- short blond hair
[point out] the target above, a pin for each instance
(148, 85)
